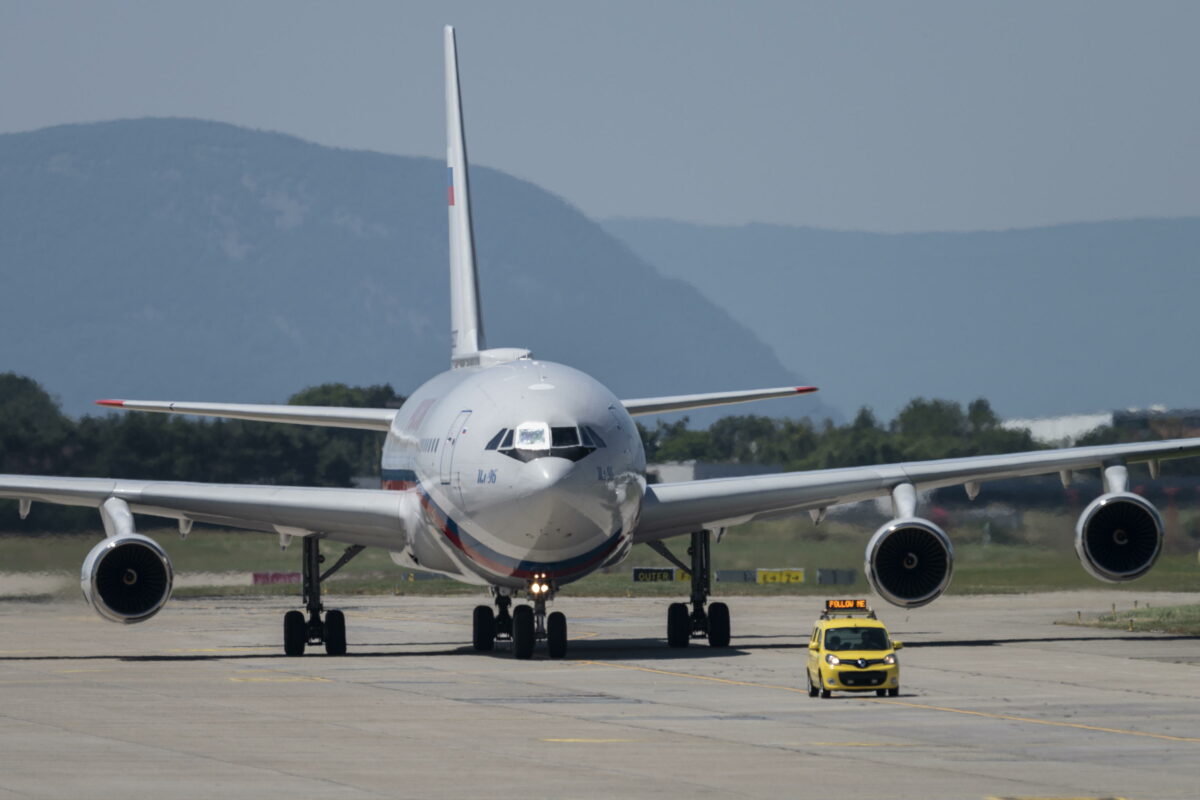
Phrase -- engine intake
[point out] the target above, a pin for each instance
(1118, 537)
(127, 578)
(909, 562)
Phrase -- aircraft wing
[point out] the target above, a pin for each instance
(672, 509)
(682, 402)
(356, 516)
(371, 419)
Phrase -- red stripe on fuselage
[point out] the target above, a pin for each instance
(442, 522)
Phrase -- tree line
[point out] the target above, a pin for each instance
(37, 438)
(924, 429)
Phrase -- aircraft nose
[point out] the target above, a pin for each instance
(545, 473)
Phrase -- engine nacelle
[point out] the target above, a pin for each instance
(1118, 537)
(127, 578)
(909, 562)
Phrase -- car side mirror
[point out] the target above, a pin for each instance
(897, 645)
(814, 646)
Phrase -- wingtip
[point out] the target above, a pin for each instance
(806, 389)
(115, 403)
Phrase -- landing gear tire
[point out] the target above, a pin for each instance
(894, 692)
(679, 625)
(813, 691)
(483, 628)
(556, 634)
(295, 633)
(335, 633)
(718, 625)
(523, 635)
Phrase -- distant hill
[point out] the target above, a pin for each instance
(1056, 320)
(180, 259)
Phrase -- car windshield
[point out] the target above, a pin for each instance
(856, 639)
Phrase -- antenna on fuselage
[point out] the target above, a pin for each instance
(466, 323)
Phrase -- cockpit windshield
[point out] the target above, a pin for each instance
(531, 440)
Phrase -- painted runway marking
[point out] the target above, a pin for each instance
(856, 744)
(591, 741)
(282, 679)
(946, 709)
(1040, 797)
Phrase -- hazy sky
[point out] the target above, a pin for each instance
(876, 116)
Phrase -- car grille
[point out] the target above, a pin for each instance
(862, 663)
(871, 677)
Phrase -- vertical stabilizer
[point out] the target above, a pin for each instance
(466, 324)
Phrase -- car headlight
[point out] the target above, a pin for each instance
(832, 660)
(890, 658)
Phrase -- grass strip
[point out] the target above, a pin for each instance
(1184, 620)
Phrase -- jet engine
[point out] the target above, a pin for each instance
(1118, 537)
(909, 562)
(127, 578)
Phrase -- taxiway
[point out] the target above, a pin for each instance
(997, 701)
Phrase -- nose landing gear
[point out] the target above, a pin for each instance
(526, 625)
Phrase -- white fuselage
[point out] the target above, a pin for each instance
(518, 469)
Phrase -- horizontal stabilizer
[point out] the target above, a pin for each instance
(682, 402)
(370, 419)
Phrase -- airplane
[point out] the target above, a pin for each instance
(523, 476)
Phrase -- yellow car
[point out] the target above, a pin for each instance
(850, 651)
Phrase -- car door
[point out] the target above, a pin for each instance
(813, 665)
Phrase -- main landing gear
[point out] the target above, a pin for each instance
(713, 622)
(526, 624)
(298, 631)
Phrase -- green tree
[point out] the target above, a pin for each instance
(34, 433)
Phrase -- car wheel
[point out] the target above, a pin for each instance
(813, 691)
(880, 692)
(825, 693)
(894, 692)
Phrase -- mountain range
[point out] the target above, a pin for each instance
(1042, 321)
(179, 259)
